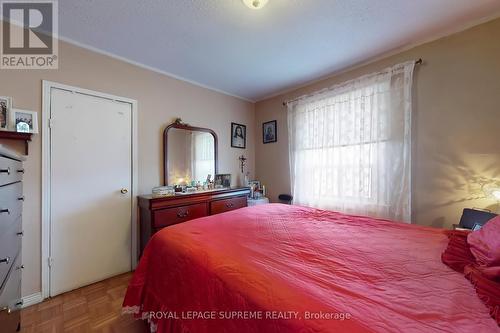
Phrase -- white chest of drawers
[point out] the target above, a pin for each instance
(11, 204)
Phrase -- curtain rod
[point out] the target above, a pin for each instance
(418, 62)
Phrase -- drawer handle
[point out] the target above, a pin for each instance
(20, 303)
(182, 215)
(5, 260)
(6, 309)
(21, 233)
(229, 205)
(20, 267)
(20, 171)
(7, 171)
(21, 198)
(5, 211)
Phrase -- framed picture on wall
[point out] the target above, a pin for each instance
(238, 136)
(5, 105)
(24, 121)
(269, 132)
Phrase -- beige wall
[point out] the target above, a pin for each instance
(160, 100)
(455, 130)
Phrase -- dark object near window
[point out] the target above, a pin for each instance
(471, 217)
(285, 198)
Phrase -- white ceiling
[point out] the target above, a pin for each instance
(252, 54)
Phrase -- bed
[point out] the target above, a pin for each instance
(281, 268)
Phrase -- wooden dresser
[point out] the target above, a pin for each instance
(11, 204)
(158, 213)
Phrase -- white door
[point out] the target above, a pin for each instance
(90, 182)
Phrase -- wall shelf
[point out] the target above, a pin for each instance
(10, 135)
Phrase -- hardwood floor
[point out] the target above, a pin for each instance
(94, 308)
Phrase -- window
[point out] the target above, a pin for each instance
(350, 146)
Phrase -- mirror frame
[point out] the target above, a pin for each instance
(180, 125)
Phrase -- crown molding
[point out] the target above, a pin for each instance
(141, 65)
(150, 68)
(437, 36)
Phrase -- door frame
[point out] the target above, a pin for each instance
(47, 87)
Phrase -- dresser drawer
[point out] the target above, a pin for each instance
(10, 294)
(10, 170)
(10, 245)
(169, 216)
(11, 202)
(225, 205)
(10, 300)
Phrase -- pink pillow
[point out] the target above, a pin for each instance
(485, 243)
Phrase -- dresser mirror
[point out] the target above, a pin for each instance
(190, 154)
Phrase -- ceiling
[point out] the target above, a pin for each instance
(252, 54)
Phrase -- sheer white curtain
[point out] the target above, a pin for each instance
(350, 145)
(202, 156)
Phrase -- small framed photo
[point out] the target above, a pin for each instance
(5, 105)
(238, 136)
(269, 132)
(254, 183)
(476, 227)
(24, 121)
(222, 180)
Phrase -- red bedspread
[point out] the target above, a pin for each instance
(280, 268)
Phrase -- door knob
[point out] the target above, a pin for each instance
(124, 191)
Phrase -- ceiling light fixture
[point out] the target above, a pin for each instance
(255, 4)
(496, 194)
(492, 190)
